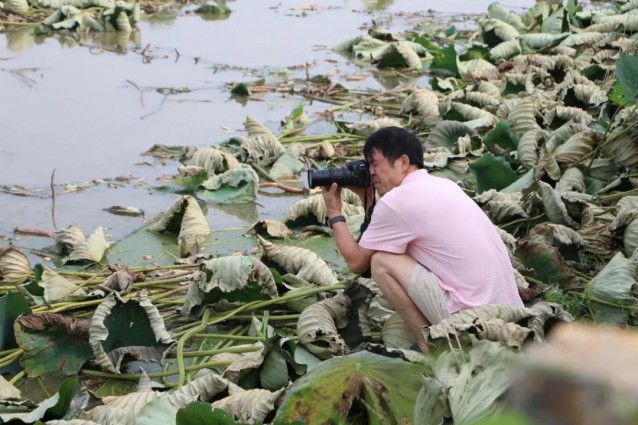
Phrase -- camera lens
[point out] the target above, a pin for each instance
(326, 177)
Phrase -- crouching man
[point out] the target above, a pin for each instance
(431, 250)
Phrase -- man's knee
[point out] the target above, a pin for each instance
(379, 262)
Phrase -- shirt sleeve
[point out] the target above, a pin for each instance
(386, 231)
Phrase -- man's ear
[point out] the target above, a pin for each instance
(405, 161)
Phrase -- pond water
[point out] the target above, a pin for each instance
(87, 107)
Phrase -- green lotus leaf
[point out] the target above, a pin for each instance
(626, 72)
(52, 343)
(613, 289)
(133, 328)
(231, 278)
(445, 63)
(492, 172)
(238, 185)
(502, 135)
(396, 333)
(387, 387)
(198, 413)
(537, 252)
(447, 133)
(556, 23)
(11, 307)
(288, 165)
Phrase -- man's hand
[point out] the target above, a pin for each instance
(332, 198)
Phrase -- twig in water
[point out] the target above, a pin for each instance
(33, 232)
(55, 227)
(159, 108)
(176, 57)
(139, 90)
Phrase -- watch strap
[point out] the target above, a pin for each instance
(335, 219)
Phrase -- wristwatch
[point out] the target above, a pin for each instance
(335, 219)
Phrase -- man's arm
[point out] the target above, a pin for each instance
(357, 258)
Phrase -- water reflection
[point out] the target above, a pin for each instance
(20, 39)
(378, 4)
(246, 212)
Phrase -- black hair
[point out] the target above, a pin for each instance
(393, 142)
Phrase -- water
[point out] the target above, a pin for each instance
(88, 107)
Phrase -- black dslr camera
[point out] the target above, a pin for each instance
(355, 173)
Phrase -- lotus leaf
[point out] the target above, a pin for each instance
(396, 333)
(185, 216)
(261, 147)
(447, 133)
(365, 128)
(15, 267)
(52, 343)
(163, 409)
(250, 406)
(300, 261)
(58, 406)
(238, 185)
(613, 289)
(133, 328)
(492, 172)
(234, 278)
(213, 160)
(318, 326)
(386, 386)
(500, 12)
(424, 101)
(57, 288)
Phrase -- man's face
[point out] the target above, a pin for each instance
(385, 174)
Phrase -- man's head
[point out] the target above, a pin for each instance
(392, 153)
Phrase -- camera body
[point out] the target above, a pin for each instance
(355, 173)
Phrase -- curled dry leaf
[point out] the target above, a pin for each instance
(249, 406)
(142, 339)
(396, 333)
(67, 239)
(125, 211)
(58, 288)
(300, 261)
(213, 160)
(509, 325)
(15, 267)
(273, 228)
(8, 391)
(315, 205)
(318, 326)
(186, 215)
(424, 101)
(228, 278)
(122, 410)
(366, 128)
(91, 249)
(502, 207)
(261, 146)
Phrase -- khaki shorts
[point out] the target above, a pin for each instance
(429, 297)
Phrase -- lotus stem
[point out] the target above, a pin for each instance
(208, 353)
(17, 377)
(137, 376)
(255, 305)
(180, 345)
(231, 337)
(7, 360)
(613, 304)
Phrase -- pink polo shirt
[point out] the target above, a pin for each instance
(436, 223)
